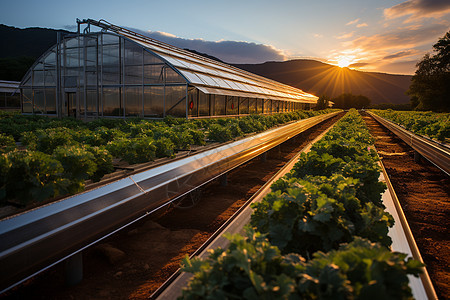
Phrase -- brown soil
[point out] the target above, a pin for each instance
(424, 194)
(135, 262)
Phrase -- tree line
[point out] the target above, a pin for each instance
(430, 87)
(344, 101)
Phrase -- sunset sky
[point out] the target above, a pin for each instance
(384, 35)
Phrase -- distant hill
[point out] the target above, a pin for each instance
(323, 79)
(31, 42)
(19, 48)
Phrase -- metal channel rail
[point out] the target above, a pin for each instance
(435, 152)
(38, 239)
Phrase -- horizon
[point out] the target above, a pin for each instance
(384, 37)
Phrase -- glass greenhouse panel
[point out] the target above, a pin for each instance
(232, 84)
(173, 77)
(112, 104)
(50, 77)
(221, 83)
(259, 106)
(72, 57)
(151, 59)
(133, 54)
(203, 104)
(193, 102)
(39, 101)
(243, 106)
(267, 106)
(153, 101)
(133, 74)
(27, 81)
(110, 55)
(91, 56)
(208, 80)
(192, 77)
(38, 78)
(252, 106)
(110, 39)
(219, 105)
(50, 101)
(275, 106)
(175, 101)
(91, 40)
(153, 74)
(91, 79)
(50, 60)
(91, 103)
(27, 100)
(111, 75)
(81, 105)
(133, 101)
(173, 61)
(73, 42)
(232, 105)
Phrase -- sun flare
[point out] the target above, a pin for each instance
(344, 62)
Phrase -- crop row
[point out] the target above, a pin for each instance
(322, 233)
(42, 158)
(433, 125)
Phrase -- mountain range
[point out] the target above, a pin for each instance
(20, 47)
(319, 78)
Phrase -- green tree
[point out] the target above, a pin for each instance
(430, 87)
(322, 102)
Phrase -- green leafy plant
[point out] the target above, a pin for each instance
(103, 160)
(133, 140)
(7, 143)
(47, 140)
(219, 133)
(133, 150)
(78, 163)
(164, 147)
(322, 205)
(371, 271)
(30, 176)
(250, 268)
(433, 125)
(305, 216)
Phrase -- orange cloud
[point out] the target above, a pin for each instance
(418, 9)
(352, 22)
(400, 39)
(345, 35)
(401, 54)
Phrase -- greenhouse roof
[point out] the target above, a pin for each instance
(210, 76)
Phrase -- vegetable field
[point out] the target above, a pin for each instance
(321, 233)
(433, 125)
(43, 158)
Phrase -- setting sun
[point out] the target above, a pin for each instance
(344, 62)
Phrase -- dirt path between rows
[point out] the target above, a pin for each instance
(424, 194)
(135, 262)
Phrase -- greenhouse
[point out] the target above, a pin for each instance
(9, 95)
(119, 73)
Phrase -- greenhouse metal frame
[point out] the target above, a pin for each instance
(118, 73)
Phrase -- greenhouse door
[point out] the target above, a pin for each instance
(71, 99)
